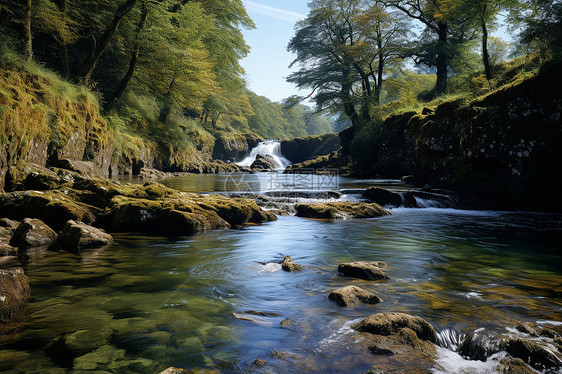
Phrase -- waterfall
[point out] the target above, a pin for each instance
(268, 147)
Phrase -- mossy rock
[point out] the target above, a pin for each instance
(340, 210)
(55, 207)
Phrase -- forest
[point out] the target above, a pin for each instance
(165, 73)
(168, 71)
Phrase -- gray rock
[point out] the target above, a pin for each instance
(32, 232)
(351, 295)
(369, 270)
(78, 235)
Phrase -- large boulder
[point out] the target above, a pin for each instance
(514, 366)
(534, 353)
(153, 174)
(368, 270)
(32, 233)
(383, 197)
(340, 210)
(264, 163)
(232, 146)
(7, 228)
(290, 265)
(351, 295)
(14, 292)
(78, 235)
(182, 214)
(404, 340)
(391, 323)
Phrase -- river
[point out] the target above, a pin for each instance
(146, 303)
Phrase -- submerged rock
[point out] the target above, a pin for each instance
(392, 323)
(14, 292)
(368, 270)
(33, 232)
(340, 210)
(78, 235)
(288, 264)
(173, 370)
(351, 295)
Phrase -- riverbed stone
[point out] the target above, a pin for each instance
(7, 250)
(84, 341)
(368, 270)
(99, 359)
(479, 346)
(31, 233)
(174, 370)
(14, 292)
(340, 210)
(288, 264)
(532, 352)
(77, 235)
(351, 295)
(391, 323)
(514, 366)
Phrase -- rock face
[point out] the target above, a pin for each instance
(33, 233)
(368, 270)
(81, 167)
(263, 163)
(290, 265)
(499, 147)
(340, 210)
(233, 147)
(392, 323)
(78, 235)
(309, 147)
(14, 292)
(351, 295)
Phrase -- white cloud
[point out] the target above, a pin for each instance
(270, 11)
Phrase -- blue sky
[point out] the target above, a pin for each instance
(268, 63)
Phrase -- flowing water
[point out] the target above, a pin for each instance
(146, 303)
(271, 148)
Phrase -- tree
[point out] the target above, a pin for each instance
(443, 19)
(89, 63)
(342, 48)
(542, 25)
(485, 13)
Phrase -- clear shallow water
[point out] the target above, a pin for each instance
(153, 302)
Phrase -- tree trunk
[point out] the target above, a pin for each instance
(28, 37)
(89, 64)
(133, 62)
(442, 60)
(62, 48)
(485, 53)
(380, 71)
(348, 106)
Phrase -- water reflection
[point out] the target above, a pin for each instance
(146, 303)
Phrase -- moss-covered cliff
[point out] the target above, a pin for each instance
(504, 147)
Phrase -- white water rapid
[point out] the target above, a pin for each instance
(271, 148)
